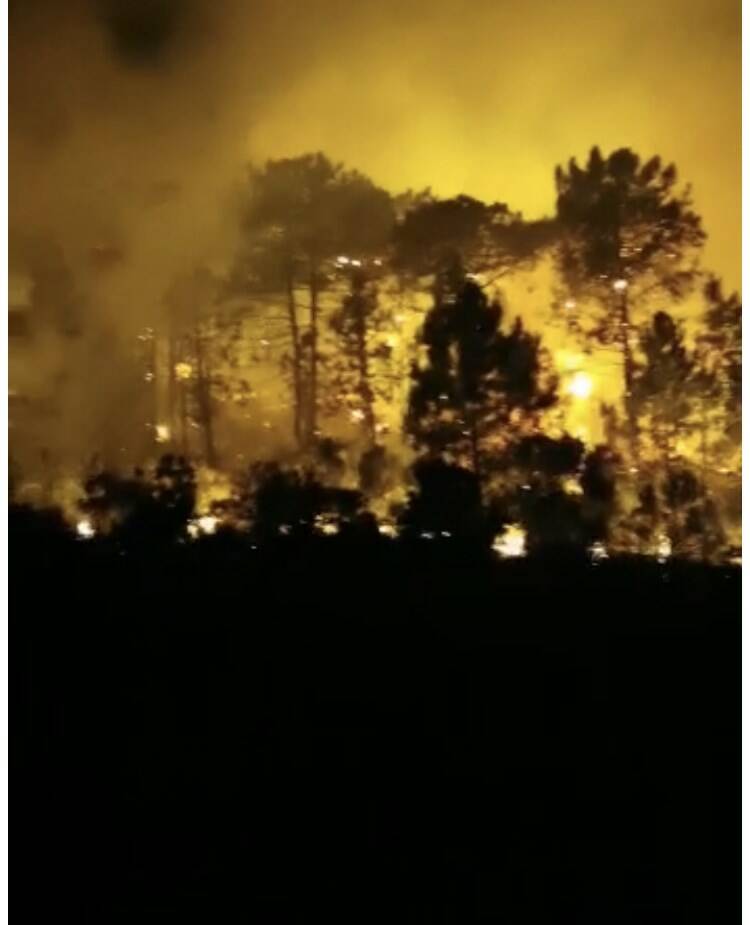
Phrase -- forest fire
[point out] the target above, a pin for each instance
(581, 369)
(375, 460)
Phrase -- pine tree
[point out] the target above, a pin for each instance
(477, 385)
(627, 234)
(356, 367)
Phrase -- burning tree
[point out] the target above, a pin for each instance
(302, 213)
(360, 324)
(626, 234)
(673, 395)
(487, 239)
(720, 346)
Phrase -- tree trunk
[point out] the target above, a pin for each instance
(296, 358)
(312, 423)
(629, 375)
(203, 387)
(365, 389)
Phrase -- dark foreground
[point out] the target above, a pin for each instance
(368, 735)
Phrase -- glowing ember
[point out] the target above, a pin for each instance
(326, 525)
(620, 285)
(183, 371)
(356, 415)
(163, 433)
(85, 529)
(208, 523)
(663, 548)
(511, 543)
(580, 385)
(598, 551)
(388, 529)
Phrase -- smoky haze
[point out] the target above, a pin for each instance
(110, 98)
(131, 121)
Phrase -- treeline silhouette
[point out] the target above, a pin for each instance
(383, 311)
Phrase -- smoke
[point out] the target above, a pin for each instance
(131, 121)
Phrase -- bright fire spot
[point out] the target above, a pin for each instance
(511, 543)
(183, 371)
(580, 385)
(598, 551)
(85, 529)
(208, 523)
(570, 304)
(163, 433)
(663, 548)
(326, 525)
(572, 486)
(356, 415)
(388, 529)
(620, 285)
(205, 524)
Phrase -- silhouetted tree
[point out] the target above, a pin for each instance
(676, 516)
(599, 485)
(721, 343)
(626, 233)
(302, 213)
(193, 355)
(143, 509)
(664, 385)
(357, 324)
(446, 504)
(293, 503)
(486, 239)
(378, 471)
(477, 386)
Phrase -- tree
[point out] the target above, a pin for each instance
(486, 239)
(202, 360)
(720, 346)
(672, 392)
(357, 324)
(446, 504)
(477, 386)
(663, 394)
(626, 233)
(291, 503)
(144, 508)
(562, 497)
(302, 213)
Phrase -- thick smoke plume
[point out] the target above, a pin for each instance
(131, 122)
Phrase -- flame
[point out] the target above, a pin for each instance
(326, 525)
(85, 529)
(511, 543)
(580, 385)
(163, 433)
(663, 548)
(598, 551)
